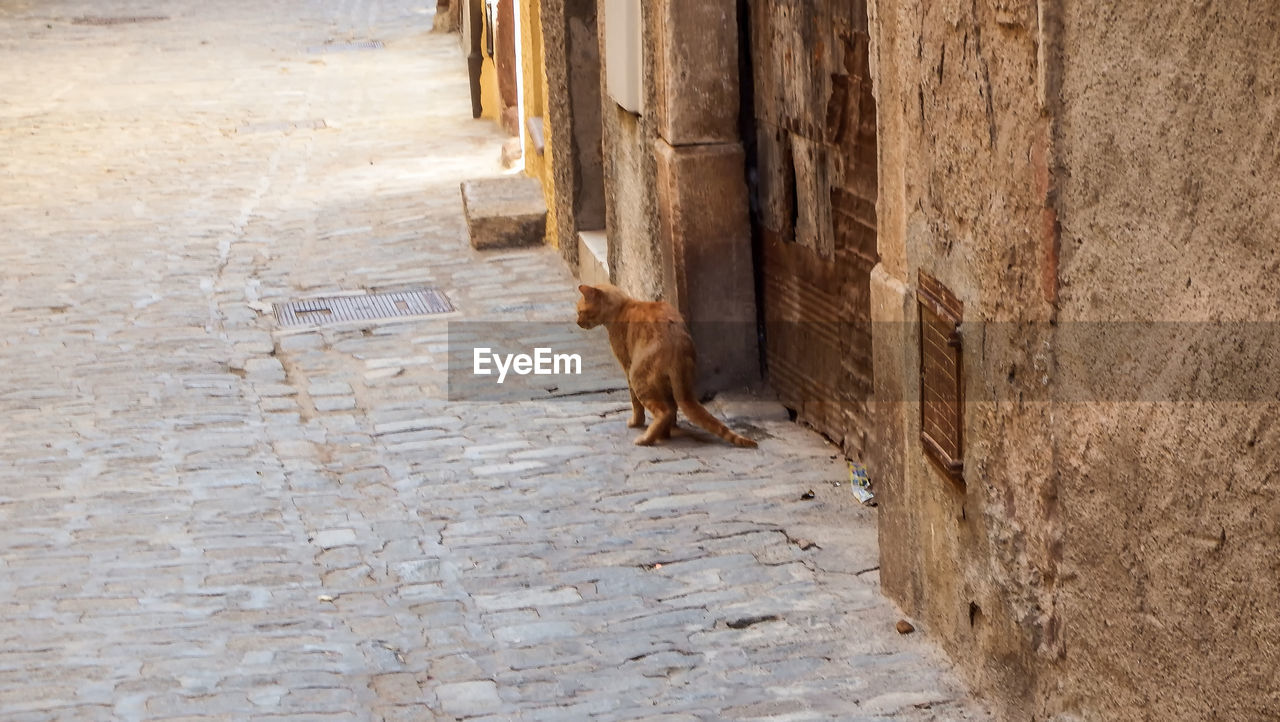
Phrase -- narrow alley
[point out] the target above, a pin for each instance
(204, 515)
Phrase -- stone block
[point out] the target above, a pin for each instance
(534, 633)
(504, 212)
(397, 688)
(330, 538)
(527, 598)
(896, 367)
(593, 257)
(697, 72)
(706, 236)
(469, 699)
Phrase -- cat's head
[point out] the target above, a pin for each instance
(598, 305)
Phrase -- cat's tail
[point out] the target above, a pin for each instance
(682, 385)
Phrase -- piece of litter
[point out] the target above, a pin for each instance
(324, 598)
(808, 495)
(905, 627)
(860, 483)
(657, 566)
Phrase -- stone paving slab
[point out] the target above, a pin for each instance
(203, 516)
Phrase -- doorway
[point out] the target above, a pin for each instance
(813, 168)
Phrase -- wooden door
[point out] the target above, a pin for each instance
(815, 171)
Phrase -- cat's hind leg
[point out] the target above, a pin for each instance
(637, 412)
(674, 425)
(664, 417)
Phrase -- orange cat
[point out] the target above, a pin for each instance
(656, 352)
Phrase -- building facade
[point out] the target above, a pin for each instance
(1020, 257)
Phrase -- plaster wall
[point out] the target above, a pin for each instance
(630, 174)
(490, 99)
(1094, 181)
(1170, 152)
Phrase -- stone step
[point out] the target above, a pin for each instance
(504, 212)
(593, 257)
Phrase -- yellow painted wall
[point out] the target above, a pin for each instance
(536, 93)
(490, 101)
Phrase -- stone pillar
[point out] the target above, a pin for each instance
(895, 415)
(706, 232)
(574, 124)
(704, 216)
(508, 65)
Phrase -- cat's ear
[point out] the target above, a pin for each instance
(589, 292)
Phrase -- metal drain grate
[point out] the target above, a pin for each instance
(126, 20)
(345, 47)
(282, 126)
(371, 307)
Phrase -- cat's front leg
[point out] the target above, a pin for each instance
(637, 412)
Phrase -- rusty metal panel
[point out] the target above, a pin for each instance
(816, 179)
(941, 376)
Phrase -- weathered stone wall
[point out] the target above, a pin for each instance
(572, 56)
(1054, 165)
(965, 153)
(1170, 150)
(630, 173)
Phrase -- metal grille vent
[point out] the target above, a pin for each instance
(126, 20)
(345, 47)
(370, 307)
(941, 371)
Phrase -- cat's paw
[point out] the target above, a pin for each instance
(636, 422)
(644, 441)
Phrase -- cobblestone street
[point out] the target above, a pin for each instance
(204, 516)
